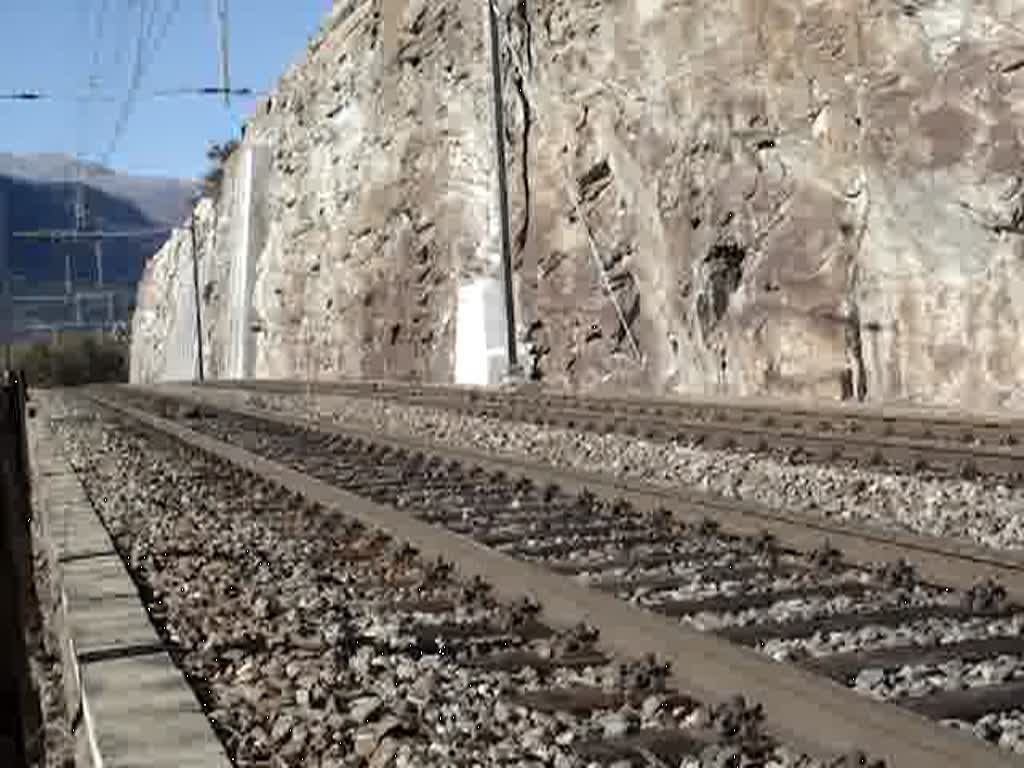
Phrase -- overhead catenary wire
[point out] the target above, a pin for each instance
(144, 42)
(147, 30)
(223, 37)
(207, 90)
(203, 90)
(92, 83)
(223, 29)
(151, 32)
(98, 33)
(97, 37)
(120, 41)
(152, 29)
(76, 235)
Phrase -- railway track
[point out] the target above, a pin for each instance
(901, 439)
(308, 638)
(938, 643)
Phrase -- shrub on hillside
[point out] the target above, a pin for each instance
(73, 361)
(218, 155)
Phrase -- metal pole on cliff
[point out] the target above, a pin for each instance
(506, 240)
(195, 285)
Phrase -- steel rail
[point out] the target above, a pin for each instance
(830, 433)
(749, 407)
(801, 708)
(956, 564)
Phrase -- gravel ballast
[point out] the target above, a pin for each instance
(246, 584)
(979, 511)
(1003, 728)
(933, 631)
(882, 684)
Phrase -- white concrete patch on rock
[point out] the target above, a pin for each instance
(182, 363)
(246, 244)
(480, 354)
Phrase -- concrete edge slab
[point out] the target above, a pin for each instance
(129, 704)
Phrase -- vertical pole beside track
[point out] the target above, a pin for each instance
(499, 146)
(195, 287)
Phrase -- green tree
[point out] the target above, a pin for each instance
(218, 155)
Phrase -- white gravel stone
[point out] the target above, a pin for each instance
(1003, 728)
(699, 590)
(934, 631)
(808, 608)
(921, 680)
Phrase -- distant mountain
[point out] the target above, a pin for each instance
(42, 191)
(162, 201)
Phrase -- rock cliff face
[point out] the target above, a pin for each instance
(740, 197)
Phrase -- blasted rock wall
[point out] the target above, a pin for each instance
(781, 196)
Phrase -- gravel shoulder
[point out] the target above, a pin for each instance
(55, 736)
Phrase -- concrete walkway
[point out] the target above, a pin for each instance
(129, 703)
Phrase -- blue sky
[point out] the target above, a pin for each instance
(55, 46)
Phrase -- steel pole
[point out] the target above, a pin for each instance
(506, 240)
(195, 286)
